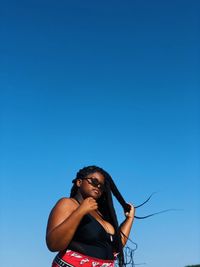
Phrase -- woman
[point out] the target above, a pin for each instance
(84, 228)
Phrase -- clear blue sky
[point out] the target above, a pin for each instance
(111, 83)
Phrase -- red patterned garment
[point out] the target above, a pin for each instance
(71, 258)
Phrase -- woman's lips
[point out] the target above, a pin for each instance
(96, 191)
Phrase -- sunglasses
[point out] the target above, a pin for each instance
(94, 182)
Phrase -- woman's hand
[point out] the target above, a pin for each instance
(87, 205)
(131, 213)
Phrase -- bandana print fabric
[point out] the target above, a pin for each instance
(70, 258)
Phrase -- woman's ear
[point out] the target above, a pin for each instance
(79, 182)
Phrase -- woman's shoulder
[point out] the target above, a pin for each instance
(65, 202)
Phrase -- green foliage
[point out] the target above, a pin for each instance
(198, 265)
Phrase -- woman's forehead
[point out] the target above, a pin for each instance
(97, 175)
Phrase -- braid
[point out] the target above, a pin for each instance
(74, 190)
(118, 195)
(112, 218)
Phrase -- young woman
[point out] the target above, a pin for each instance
(84, 228)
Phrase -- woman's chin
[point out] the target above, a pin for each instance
(95, 194)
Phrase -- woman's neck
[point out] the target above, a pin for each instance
(79, 198)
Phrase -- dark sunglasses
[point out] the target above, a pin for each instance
(94, 182)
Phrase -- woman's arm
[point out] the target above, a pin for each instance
(125, 227)
(64, 220)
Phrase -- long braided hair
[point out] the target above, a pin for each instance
(105, 204)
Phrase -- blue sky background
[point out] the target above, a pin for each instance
(111, 83)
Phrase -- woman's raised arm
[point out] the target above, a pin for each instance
(125, 227)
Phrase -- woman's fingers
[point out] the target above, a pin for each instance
(131, 213)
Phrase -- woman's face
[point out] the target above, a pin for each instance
(92, 185)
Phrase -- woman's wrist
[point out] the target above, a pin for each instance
(129, 215)
(129, 218)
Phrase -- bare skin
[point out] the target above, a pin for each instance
(127, 224)
(66, 215)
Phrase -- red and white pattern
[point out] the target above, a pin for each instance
(70, 258)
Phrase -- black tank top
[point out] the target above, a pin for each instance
(92, 240)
